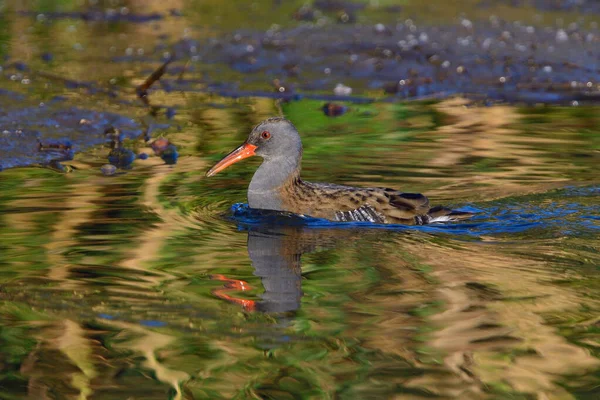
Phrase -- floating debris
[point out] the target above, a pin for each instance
(170, 155)
(121, 158)
(160, 145)
(305, 13)
(292, 69)
(40, 134)
(20, 66)
(334, 110)
(114, 135)
(142, 90)
(342, 90)
(108, 169)
(465, 56)
(62, 148)
(346, 17)
(47, 57)
(61, 145)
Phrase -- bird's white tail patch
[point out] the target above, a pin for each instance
(442, 218)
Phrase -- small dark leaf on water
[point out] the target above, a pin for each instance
(391, 88)
(305, 13)
(20, 66)
(68, 155)
(111, 130)
(292, 69)
(170, 155)
(160, 145)
(56, 145)
(334, 110)
(346, 17)
(122, 158)
(62, 148)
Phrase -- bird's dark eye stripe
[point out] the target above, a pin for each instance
(266, 134)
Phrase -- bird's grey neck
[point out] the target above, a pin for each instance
(265, 188)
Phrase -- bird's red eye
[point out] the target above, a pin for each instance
(266, 135)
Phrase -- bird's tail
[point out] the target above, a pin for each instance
(442, 214)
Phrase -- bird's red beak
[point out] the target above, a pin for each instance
(244, 151)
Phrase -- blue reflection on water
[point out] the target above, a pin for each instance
(153, 323)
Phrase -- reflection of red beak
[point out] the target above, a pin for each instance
(234, 285)
(244, 151)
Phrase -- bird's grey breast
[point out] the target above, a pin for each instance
(264, 199)
(265, 189)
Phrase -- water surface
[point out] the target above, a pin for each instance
(146, 284)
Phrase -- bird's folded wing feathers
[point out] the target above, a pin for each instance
(364, 213)
(414, 202)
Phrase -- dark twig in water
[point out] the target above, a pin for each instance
(114, 134)
(142, 90)
(62, 151)
(148, 128)
(53, 146)
(334, 110)
(183, 70)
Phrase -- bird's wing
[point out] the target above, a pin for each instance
(411, 203)
(364, 213)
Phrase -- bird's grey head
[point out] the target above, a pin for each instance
(274, 138)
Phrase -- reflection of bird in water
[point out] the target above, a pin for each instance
(276, 185)
(275, 252)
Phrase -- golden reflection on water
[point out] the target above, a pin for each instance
(493, 304)
(107, 289)
(112, 277)
(467, 315)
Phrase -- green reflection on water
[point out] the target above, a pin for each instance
(131, 286)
